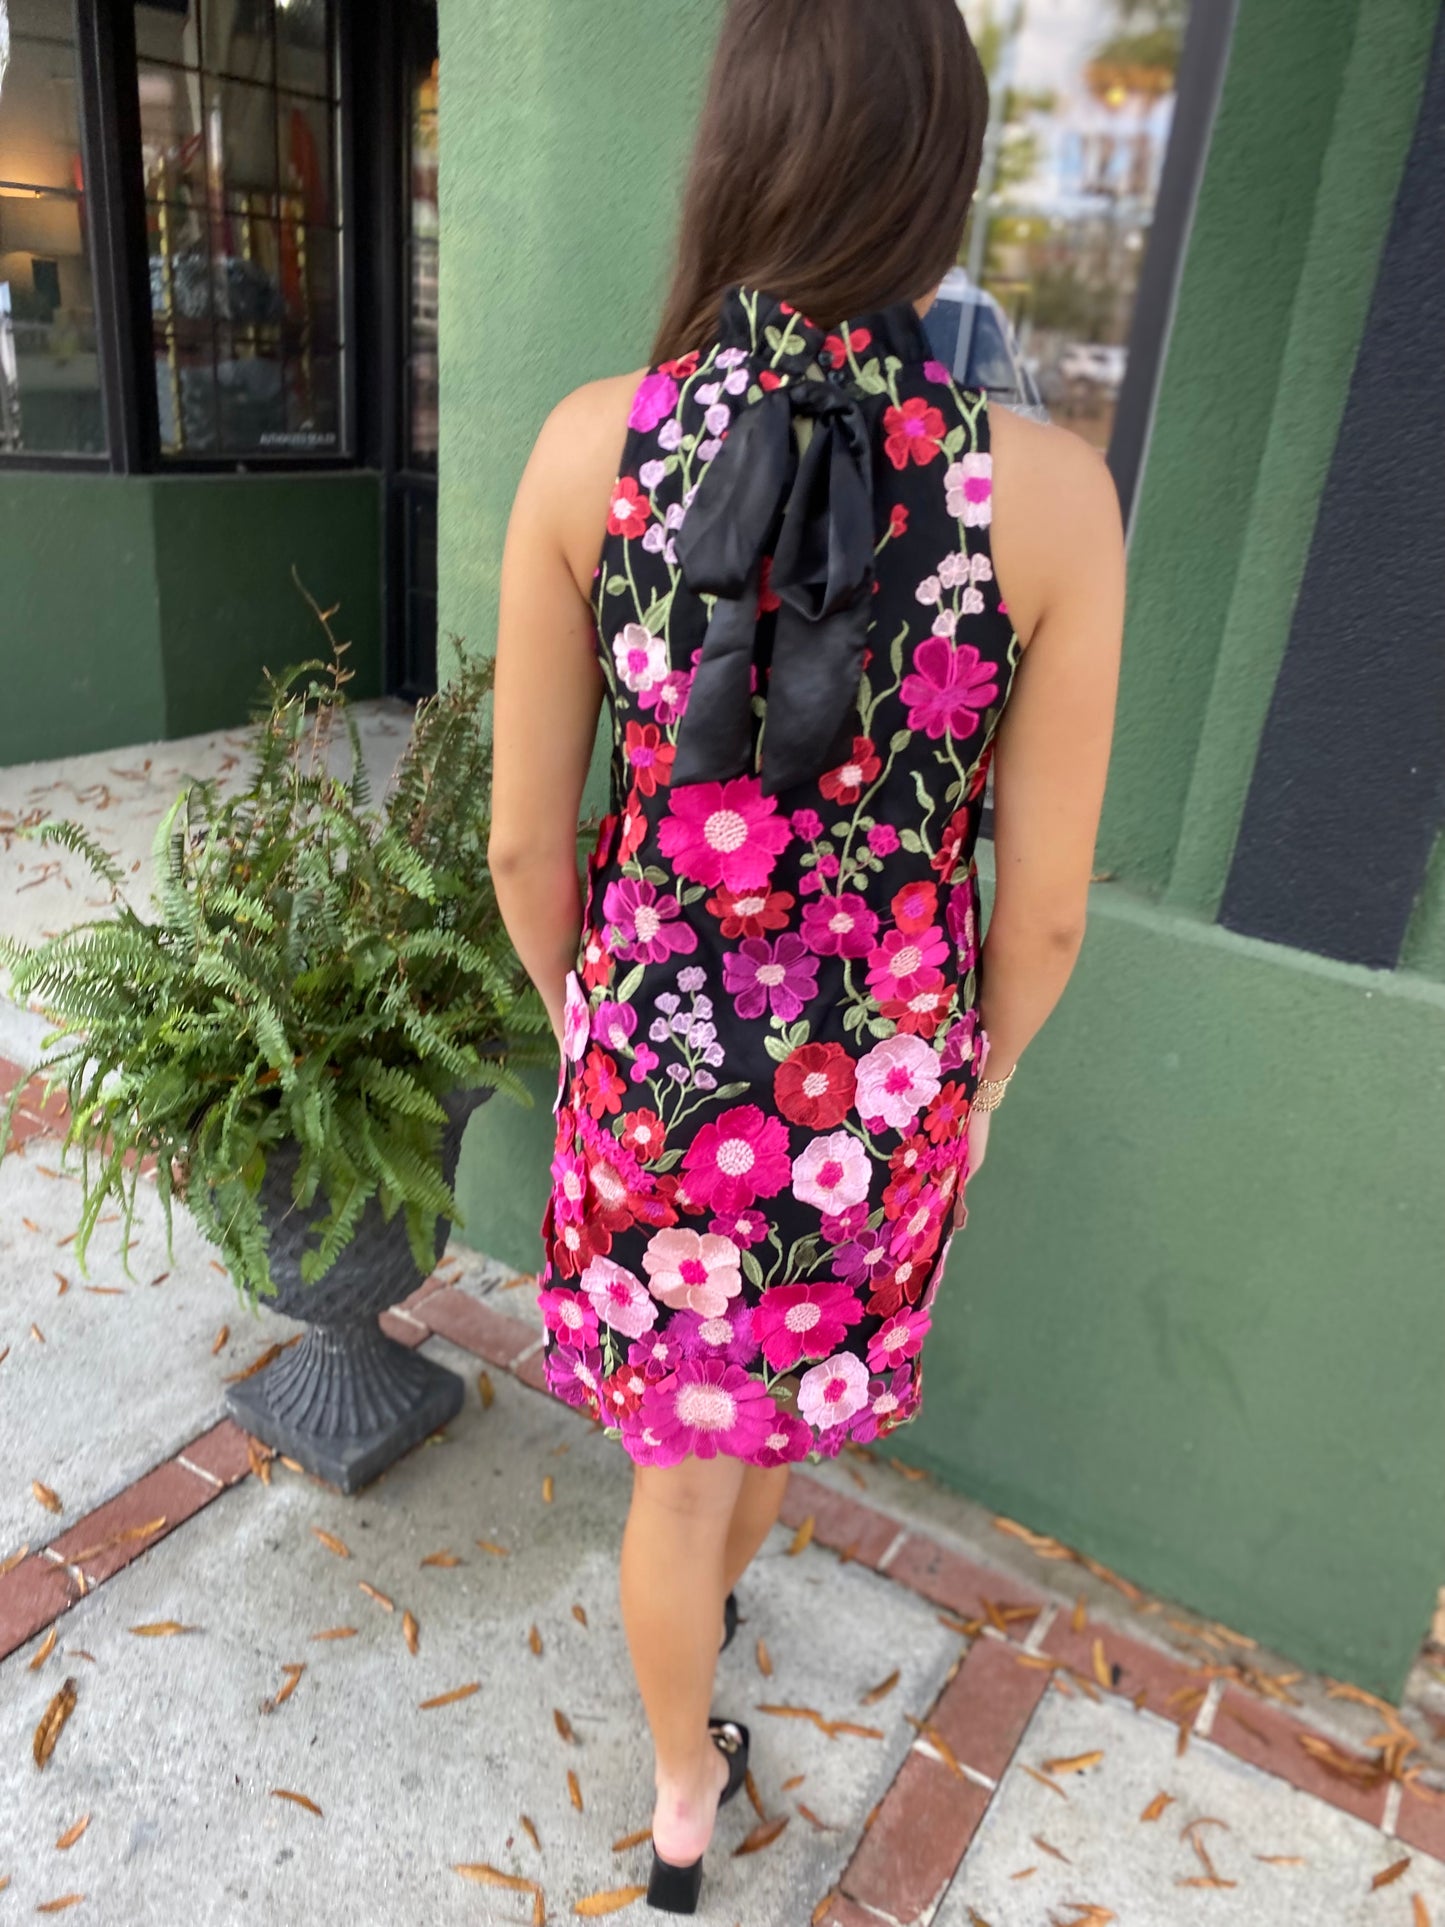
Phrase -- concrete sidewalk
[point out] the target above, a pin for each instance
(953, 1721)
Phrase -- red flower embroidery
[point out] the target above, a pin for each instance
(767, 599)
(629, 511)
(643, 1134)
(649, 757)
(684, 366)
(846, 783)
(602, 1087)
(814, 1086)
(751, 912)
(914, 906)
(898, 520)
(913, 432)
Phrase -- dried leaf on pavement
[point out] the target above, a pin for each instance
(592, 1906)
(764, 1658)
(763, 1834)
(548, 1488)
(497, 1552)
(1156, 1806)
(451, 1698)
(486, 1876)
(387, 1605)
(73, 1832)
(881, 1690)
(332, 1543)
(447, 1559)
(632, 1840)
(1074, 1762)
(293, 1674)
(52, 1720)
(220, 1339)
(1390, 1873)
(410, 1632)
(579, 1613)
(336, 1632)
(296, 1799)
(43, 1650)
(162, 1629)
(59, 1905)
(564, 1725)
(47, 1497)
(529, 1828)
(574, 1789)
(802, 1536)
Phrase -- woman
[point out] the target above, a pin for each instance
(833, 589)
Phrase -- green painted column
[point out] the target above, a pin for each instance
(1292, 213)
(565, 128)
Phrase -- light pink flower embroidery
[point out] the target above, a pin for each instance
(619, 1299)
(895, 1080)
(834, 1390)
(832, 1173)
(641, 658)
(574, 1018)
(968, 490)
(898, 1338)
(705, 1407)
(693, 1271)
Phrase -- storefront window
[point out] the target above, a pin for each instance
(50, 397)
(238, 109)
(1082, 104)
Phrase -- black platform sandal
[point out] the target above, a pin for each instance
(673, 1888)
(730, 1620)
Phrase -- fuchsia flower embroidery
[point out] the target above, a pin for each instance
(739, 1158)
(727, 833)
(705, 1407)
(803, 1321)
(778, 976)
(951, 685)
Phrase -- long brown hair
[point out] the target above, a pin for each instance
(835, 160)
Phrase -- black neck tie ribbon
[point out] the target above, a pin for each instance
(822, 574)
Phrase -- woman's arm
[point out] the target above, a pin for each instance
(549, 687)
(1059, 550)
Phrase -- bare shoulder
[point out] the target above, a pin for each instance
(573, 465)
(1056, 521)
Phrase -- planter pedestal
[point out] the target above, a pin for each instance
(346, 1401)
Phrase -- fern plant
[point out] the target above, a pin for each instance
(319, 970)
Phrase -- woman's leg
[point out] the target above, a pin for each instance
(754, 1516)
(672, 1590)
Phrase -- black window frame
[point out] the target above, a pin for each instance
(110, 146)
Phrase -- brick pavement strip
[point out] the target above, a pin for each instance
(917, 1835)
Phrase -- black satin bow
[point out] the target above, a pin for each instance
(822, 574)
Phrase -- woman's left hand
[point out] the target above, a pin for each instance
(978, 1124)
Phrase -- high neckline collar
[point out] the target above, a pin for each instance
(748, 314)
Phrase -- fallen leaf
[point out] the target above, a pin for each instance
(1346, 1766)
(755, 1799)
(563, 1725)
(162, 1629)
(574, 1790)
(59, 1906)
(126, 1533)
(531, 1832)
(43, 1651)
(14, 1559)
(332, 1543)
(293, 1677)
(813, 1820)
(410, 1632)
(548, 1488)
(267, 1357)
(794, 1779)
(1074, 1762)
(387, 1605)
(1102, 1671)
(630, 1840)
(580, 1615)
(591, 1906)
(297, 1799)
(1391, 1873)
(1044, 1780)
(258, 1458)
(802, 1536)
(450, 1699)
(498, 1552)
(1049, 1848)
(1079, 1614)
(1282, 1859)
(52, 1720)
(1156, 1806)
(36, 1333)
(764, 1658)
(1420, 1911)
(336, 1632)
(447, 1559)
(534, 1639)
(1024, 1873)
(48, 1498)
(881, 1690)
(763, 1834)
(220, 1339)
(73, 1832)
(486, 1876)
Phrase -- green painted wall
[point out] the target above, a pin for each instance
(225, 548)
(137, 610)
(1192, 1326)
(79, 616)
(1271, 305)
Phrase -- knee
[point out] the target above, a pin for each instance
(694, 1489)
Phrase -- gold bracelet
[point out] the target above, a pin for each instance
(989, 1093)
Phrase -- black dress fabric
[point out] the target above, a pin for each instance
(772, 1031)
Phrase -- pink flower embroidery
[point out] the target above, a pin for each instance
(905, 961)
(834, 1390)
(898, 1338)
(790, 1440)
(778, 976)
(574, 1018)
(641, 658)
(705, 1407)
(803, 1321)
(693, 1271)
(727, 833)
(832, 1173)
(839, 926)
(949, 688)
(968, 490)
(644, 925)
(568, 1314)
(736, 1159)
(895, 1080)
(655, 399)
(619, 1299)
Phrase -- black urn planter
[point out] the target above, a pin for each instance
(346, 1401)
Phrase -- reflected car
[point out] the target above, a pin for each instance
(1093, 362)
(970, 334)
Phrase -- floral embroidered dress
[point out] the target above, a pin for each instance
(771, 1026)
